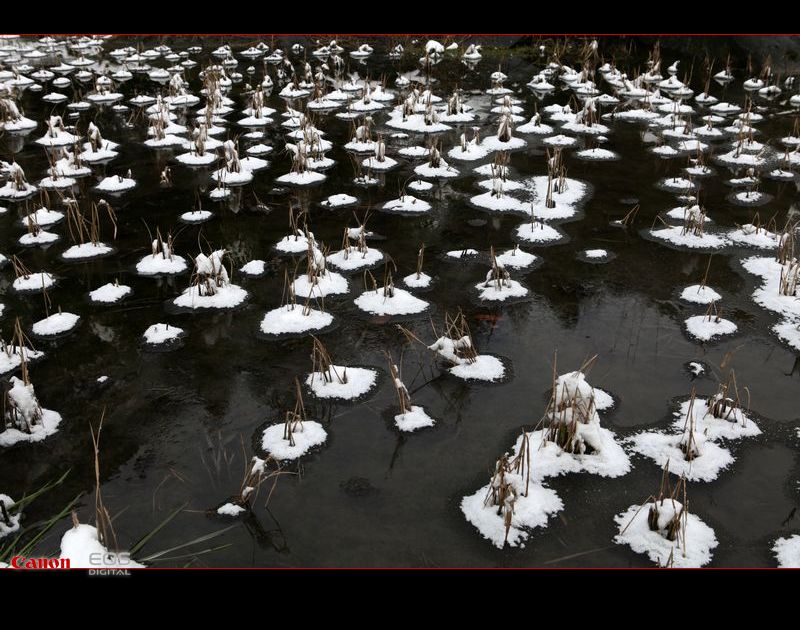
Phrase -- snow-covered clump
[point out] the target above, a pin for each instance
(407, 204)
(531, 506)
(158, 334)
(539, 232)
(253, 268)
(499, 202)
(340, 200)
(196, 216)
(296, 243)
(11, 356)
(34, 282)
(500, 290)
(390, 300)
(211, 287)
(413, 419)
(516, 258)
(648, 528)
(56, 324)
(115, 184)
(294, 319)
(681, 237)
(707, 458)
(716, 418)
(338, 381)
(352, 258)
(161, 261)
(466, 363)
(328, 283)
(109, 293)
(230, 509)
(706, 327)
(754, 236)
(787, 550)
(287, 443)
(85, 551)
(25, 419)
(12, 525)
(87, 250)
(700, 294)
(418, 281)
(565, 198)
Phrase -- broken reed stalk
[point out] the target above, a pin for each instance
(322, 363)
(403, 397)
(102, 517)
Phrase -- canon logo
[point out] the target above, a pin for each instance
(21, 562)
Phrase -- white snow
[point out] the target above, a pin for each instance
(331, 283)
(306, 178)
(462, 253)
(413, 419)
(597, 153)
(705, 328)
(530, 511)
(354, 259)
(290, 318)
(154, 264)
(538, 233)
(21, 401)
(400, 303)
(675, 234)
(195, 159)
(10, 357)
(253, 268)
(85, 551)
(34, 282)
(337, 201)
(230, 509)
(115, 184)
(661, 447)
(306, 435)
(196, 216)
(485, 368)
(408, 204)
(516, 259)
(342, 382)
(698, 294)
(693, 549)
(56, 324)
(294, 243)
(502, 203)
(420, 185)
(227, 296)
(696, 368)
(787, 550)
(595, 253)
(5, 530)
(732, 426)
(87, 250)
(574, 192)
(493, 143)
(162, 333)
(443, 170)
(508, 289)
(749, 234)
(41, 237)
(421, 282)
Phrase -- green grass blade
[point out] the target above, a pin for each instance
(143, 540)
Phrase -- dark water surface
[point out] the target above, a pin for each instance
(175, 421)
